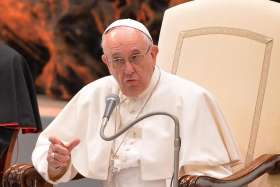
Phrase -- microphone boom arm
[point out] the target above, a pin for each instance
(177, 139)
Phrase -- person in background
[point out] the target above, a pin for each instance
(18, 102)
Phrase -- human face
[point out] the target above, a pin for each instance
(130, 58)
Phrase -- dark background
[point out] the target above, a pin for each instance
(61, 38)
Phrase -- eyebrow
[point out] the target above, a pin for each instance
(116, 55)
(120, 55)
(135, 51)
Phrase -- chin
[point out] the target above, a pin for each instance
(132, 92)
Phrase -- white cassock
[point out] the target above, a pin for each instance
(207, 145)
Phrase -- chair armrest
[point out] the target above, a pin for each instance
(23, 175)
(267, 163)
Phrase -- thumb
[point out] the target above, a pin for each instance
(72, 144)
(55, 140)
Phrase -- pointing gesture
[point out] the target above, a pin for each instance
(59, 156)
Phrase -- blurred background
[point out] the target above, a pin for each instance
(61, 38)
(61, 41)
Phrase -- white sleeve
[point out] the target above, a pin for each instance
(217, 171)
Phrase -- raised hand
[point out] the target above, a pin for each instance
(59, 156)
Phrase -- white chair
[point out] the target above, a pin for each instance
(232, 48)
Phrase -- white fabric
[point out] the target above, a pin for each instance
(128, 155)
(131, 178)
(206, 139)
(129, 23)
(130, 109)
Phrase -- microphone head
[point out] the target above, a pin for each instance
(111, 102)
(113, 98)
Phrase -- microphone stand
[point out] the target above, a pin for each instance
(177, 139)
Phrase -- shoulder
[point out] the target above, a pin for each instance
(182, 86)
(97, 89)
(184, 91)
(92, 95)
(104, 83)
(11, 60)
(6, 50)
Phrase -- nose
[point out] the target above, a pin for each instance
(128, 68)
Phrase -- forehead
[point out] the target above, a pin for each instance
(121, 38)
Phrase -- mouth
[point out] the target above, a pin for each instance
(130, 81)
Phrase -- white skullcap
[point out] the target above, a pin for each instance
(129, 23)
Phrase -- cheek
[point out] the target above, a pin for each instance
(147, 74)
(118, 75)
(110, 68)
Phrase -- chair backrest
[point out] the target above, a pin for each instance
(232, 48)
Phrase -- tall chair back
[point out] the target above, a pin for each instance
(232, 48)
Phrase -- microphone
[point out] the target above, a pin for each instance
(111, 102)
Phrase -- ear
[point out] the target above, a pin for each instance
(106, 62)
(104, 59)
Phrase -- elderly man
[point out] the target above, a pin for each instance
(143, 156)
